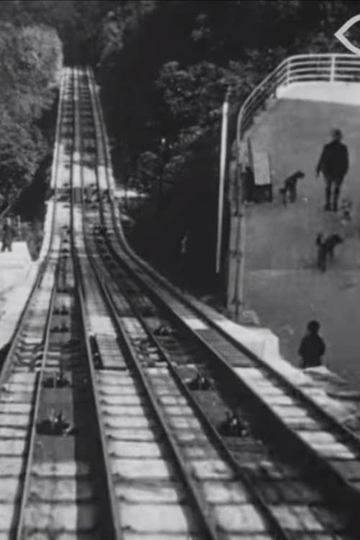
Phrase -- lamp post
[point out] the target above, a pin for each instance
(163, 157)
(223, 152)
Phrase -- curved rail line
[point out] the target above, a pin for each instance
(142, 470)
(332, 451)
(197, 457)
(107, 217)
(282, 492)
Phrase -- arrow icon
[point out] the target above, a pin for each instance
(340, 35)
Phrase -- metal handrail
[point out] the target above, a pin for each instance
(332, 66)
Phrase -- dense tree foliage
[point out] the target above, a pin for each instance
(30, 62)
(165, 65)
(77, 22)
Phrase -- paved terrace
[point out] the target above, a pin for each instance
(282, 283)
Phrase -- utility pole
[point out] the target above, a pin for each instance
(163, 157)
(242, 237)
(222, 176)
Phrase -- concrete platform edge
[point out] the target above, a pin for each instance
(17, 295)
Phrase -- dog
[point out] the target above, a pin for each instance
(325, 249)
(289, 187)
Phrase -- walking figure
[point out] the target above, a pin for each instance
(8, 236)
(333, 164)
(312, 346)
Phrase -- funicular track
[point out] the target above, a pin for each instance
(305, 499)
(101, 434)
(52, 479)
(19, 380)
(176, 479)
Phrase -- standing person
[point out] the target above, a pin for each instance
(8, 236)
(312, 346)
(249, 184)
(333, 164)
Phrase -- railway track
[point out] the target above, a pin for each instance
(52, 481)
(306, 429)
(114, 393)
(288, 491)
(205, 497)
(19, 380)
(63, 475)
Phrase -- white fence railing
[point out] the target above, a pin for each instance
(297, 69)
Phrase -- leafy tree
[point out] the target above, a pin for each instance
(30, 63)
(76, 22)
(21, 149)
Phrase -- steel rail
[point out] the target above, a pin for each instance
(336, 481)
(275, 527)
(23, 317)
(349, 436)
(23, 320)
(317, 464)
(215, 354)
(314, 407)
(39, 383)
(31, 449)
(266, 511)
(115, 527)
(208, 523)
(25, 494)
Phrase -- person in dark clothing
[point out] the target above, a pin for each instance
(249, 184)
(333, 164)
(325, 249)
(312, 346)
(290, 187)
(8, 236)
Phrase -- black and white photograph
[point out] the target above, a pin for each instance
(179, 269)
